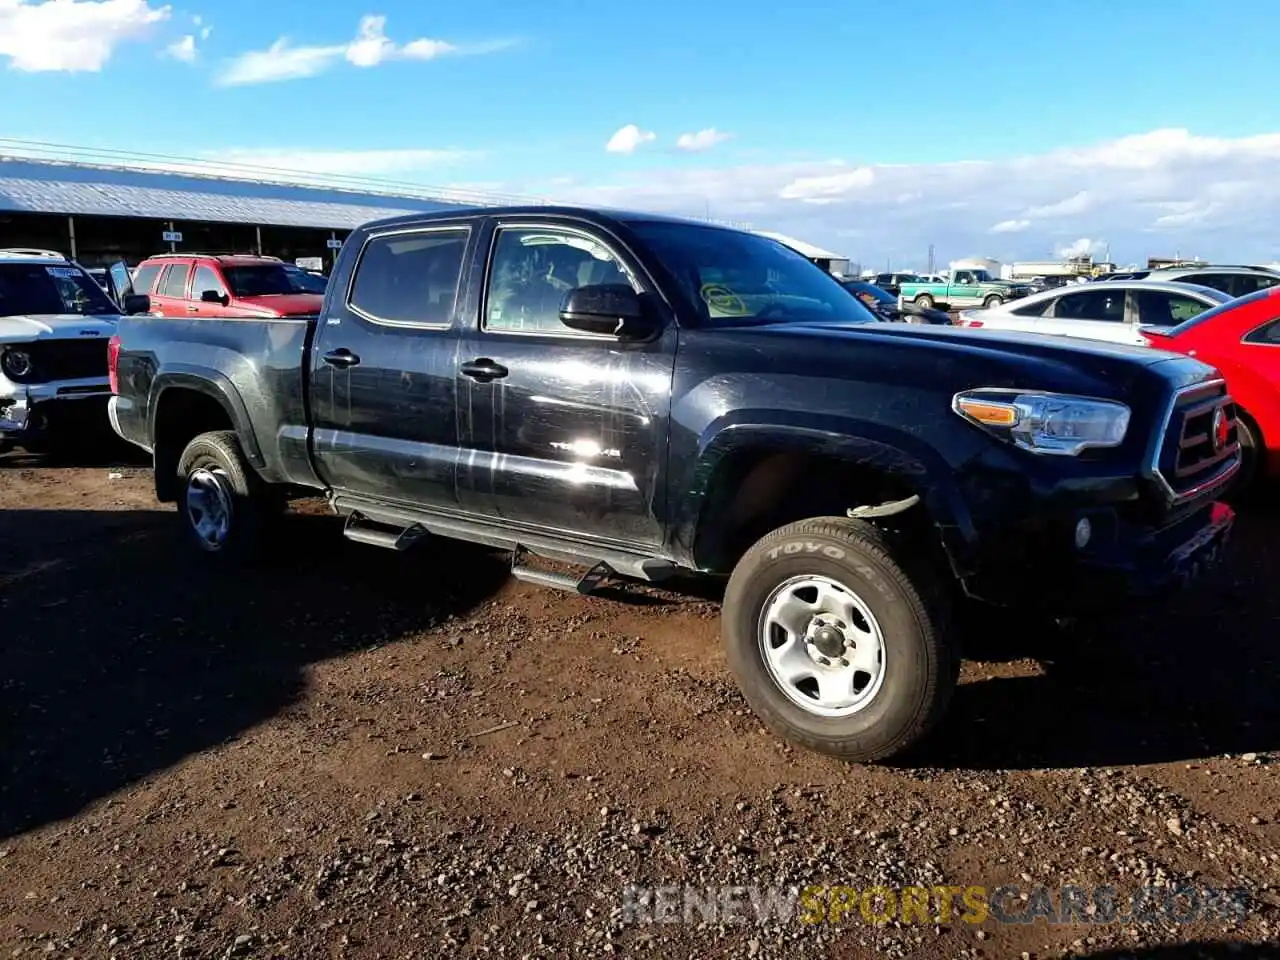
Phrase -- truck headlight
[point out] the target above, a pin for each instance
(1051, 423)
(16, 363)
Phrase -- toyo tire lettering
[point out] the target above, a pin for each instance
(795, 547)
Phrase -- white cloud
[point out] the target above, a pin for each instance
(1074, 204)
(1080, 248)
(1148, 194)
(184, 49)
(702, 140)
(1011, 226)
(627, 139)
(280, 61)
(829, 188)
(370, 47)
(72, 35)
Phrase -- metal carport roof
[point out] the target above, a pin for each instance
(35, 186)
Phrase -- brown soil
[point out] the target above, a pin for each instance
(343, 752)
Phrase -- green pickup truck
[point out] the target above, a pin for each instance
(966, 288)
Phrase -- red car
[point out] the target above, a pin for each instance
(1242, 339)
(196, 285)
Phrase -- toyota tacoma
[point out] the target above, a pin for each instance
(648, 399)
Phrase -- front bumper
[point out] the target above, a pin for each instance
(29, 409)
(1121, 562)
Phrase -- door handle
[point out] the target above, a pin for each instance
(484, 370)
(341, 357)
(192, 308)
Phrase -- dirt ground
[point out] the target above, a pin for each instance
(342, 752)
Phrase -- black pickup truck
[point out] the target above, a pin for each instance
(649, 398)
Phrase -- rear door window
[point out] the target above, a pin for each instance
(1218, 281)
(410, 277)
(175, 281)
(1251, 283)
(1038, 309)
(1268, 333)
(1105, 305)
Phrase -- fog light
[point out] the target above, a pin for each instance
(1084, 531)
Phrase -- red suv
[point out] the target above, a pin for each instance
(192, 284)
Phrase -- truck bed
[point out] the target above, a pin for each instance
(260, 366)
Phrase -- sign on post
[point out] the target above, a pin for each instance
(172, 236)
(334, 244)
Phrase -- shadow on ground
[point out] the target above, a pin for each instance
(1179, 680)
(122, 653)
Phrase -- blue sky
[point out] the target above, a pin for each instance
(1139, 125)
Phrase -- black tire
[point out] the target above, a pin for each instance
(992, 301)
(924, 301)
(1251, 451)
(217, 461)
(920, 663)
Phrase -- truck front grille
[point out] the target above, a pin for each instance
(1201, 446)
(64, 360)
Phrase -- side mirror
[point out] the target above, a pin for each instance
(135, 303)
(613, 309)
(213, 296)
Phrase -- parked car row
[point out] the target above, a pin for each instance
(651, 399)
(1189, 310)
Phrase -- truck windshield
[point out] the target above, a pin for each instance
(735, 278)
(265, 280)
(35, 288)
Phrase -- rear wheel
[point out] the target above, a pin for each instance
(221, 501)
(924, 301)
(833, 644)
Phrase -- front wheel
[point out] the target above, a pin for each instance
(924, 301)
(221, 502)
(833, 644)
(992, 301)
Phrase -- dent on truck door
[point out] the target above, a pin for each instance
(383, 388)
(562, 430)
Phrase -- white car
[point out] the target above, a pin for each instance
(1107, 310)
(55, 323)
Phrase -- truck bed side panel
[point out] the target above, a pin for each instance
(256, 368)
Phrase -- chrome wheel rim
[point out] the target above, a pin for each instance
(209, 506)
(822, 646)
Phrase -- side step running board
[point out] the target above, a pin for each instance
(359, 529)
(585, 584)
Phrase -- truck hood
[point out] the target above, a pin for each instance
(1005, 358)
(62, 326)
(285, 304)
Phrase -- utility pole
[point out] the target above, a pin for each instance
(930, 270)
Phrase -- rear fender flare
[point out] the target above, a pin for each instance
(216, 386)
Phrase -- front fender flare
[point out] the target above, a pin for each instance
(892, 451)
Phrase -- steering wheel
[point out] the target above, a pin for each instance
(769, 310)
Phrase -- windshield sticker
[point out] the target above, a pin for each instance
(722, 299)
(70, 273)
